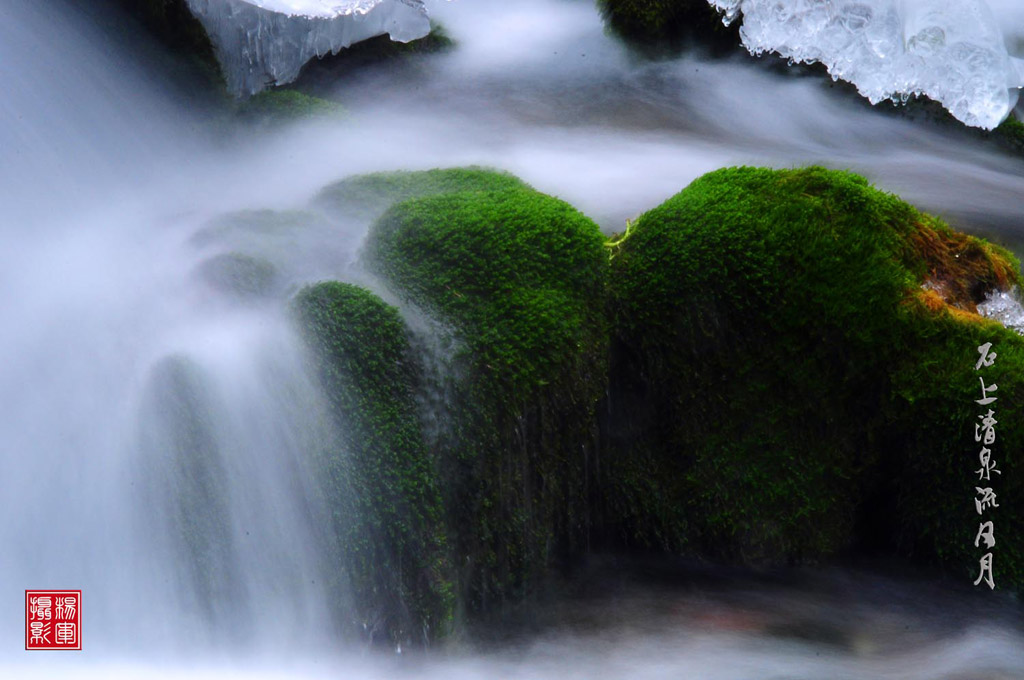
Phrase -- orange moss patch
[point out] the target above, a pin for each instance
(969, 317)
(931, 299)
(958, 269)
(936, 303)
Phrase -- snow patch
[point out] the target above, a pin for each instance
(261, 43)
(949, 50)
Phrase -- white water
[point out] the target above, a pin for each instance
(106, 179)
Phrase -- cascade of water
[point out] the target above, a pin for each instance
(157, 431)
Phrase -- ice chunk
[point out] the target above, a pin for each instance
(1005, 307)
(261, 43)
(949, 50)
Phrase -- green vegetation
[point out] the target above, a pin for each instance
(377, 478)
(1010, 134)
(520, 278)
(798, 352)
(283, 104)
(776, 367)
(932, 490)
(368, 196)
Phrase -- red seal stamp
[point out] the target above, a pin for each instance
(53, 619)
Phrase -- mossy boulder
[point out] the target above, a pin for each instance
(655, 25)
(378, 480)
(519, 278)
(238, 275)
(794, 365)
(778, 367)
(368, 196)
(927, 491)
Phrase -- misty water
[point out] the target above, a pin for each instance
(114, 185)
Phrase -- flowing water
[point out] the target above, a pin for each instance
(112, 338)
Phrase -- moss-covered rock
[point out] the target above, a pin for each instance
(929, 495)
(520, 278)
(792, 379)
(794, 366)
(238, 275)
(368, 196)
(654, 25)
(283, 105)
(378, 482)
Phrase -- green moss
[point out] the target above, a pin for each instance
(520, 279)
(791, 369)
(368, 196)
(281, 105)
(654, 25)
(935, 411)
(779, 361)
(1010, 134)
(379, 482)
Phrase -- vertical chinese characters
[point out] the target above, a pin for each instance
(985, 496)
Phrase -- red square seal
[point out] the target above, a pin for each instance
(53, 619)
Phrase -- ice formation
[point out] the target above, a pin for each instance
(261, 43)
(1004, 307)
(949, 50)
